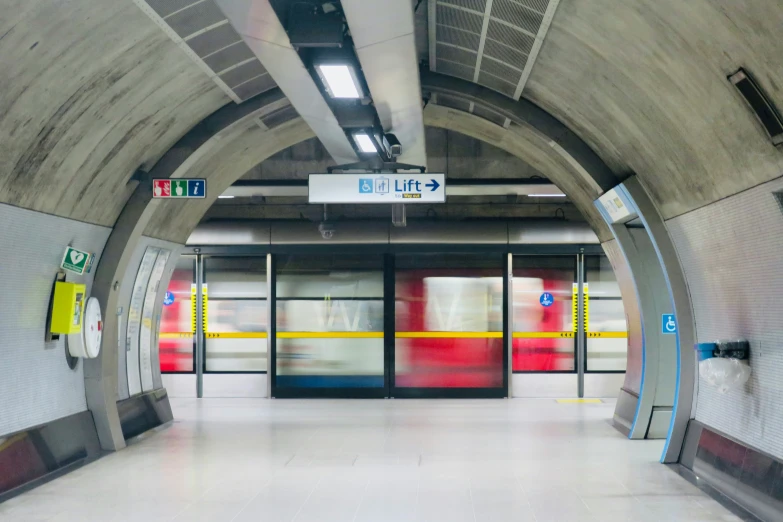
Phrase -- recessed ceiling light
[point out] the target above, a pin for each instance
(546, 195)
(340, 81)
(225, 197)
(365, 143)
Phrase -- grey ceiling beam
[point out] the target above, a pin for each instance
(261, 29)
(383, 33)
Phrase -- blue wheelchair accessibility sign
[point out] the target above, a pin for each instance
(668, 324)
(547, 299)
(168, 299)
(365, 186)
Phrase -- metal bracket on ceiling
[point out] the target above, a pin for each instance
(376, 164)
(139, 176)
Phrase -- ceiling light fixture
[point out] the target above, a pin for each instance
(365, 143)
(546, 195)
(225, 197)
(340, 81)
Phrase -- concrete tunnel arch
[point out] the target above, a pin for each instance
(228, 143)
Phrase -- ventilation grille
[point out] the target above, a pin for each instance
(202, 30)
(761, 106)
(503, 38)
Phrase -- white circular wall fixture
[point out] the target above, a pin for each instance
(92, 328)
(87, 343)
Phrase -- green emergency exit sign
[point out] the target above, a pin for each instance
(75, 260)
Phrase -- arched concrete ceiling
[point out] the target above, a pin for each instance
(89, 92)
(644, 83)
(535, 148)
(234, 152)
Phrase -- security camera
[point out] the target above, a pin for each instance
(394, 145)
(326, 229)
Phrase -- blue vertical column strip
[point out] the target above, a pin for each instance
(629, 202)
(624, 193)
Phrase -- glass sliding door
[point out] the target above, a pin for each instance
(330, 326)
(449, 317)
(606, 328)
(235, 329)
(544, 331)
(177, 338)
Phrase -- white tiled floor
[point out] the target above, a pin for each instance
(255, 460)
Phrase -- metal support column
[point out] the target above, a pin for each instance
(270, 326)
(580, 331)
(508, 324)
(271, 304)
(199, 326)
(389, 340)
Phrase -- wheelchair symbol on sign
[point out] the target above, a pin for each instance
(365, 186)
(668, 324)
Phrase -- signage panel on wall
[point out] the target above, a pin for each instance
(668, 324)
(617, 205)
(179, 188)
(75, 260)
(377, 188)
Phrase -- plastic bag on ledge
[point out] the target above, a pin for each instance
(724, 373)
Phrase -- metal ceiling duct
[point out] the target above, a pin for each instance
(383, 34)
(261, 29)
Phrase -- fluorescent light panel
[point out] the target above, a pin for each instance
(364, 142)
(546, 195)
(340, 81)
(225, 197)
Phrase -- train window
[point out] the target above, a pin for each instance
(608, 351)
(236, 326)
(544, 337)
(176, 339)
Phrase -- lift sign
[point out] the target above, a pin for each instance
(377, 188)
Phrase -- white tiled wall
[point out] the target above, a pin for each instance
(36, 385)
(732, 254)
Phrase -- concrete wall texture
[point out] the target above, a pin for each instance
(36, 384)
(731, 251)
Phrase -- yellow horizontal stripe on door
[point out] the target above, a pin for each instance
(235, 335)
(330, 335)
(605, 335)
(175, 335)
(449, 335)
(542, 335)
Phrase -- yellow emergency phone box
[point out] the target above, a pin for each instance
(68, 308)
